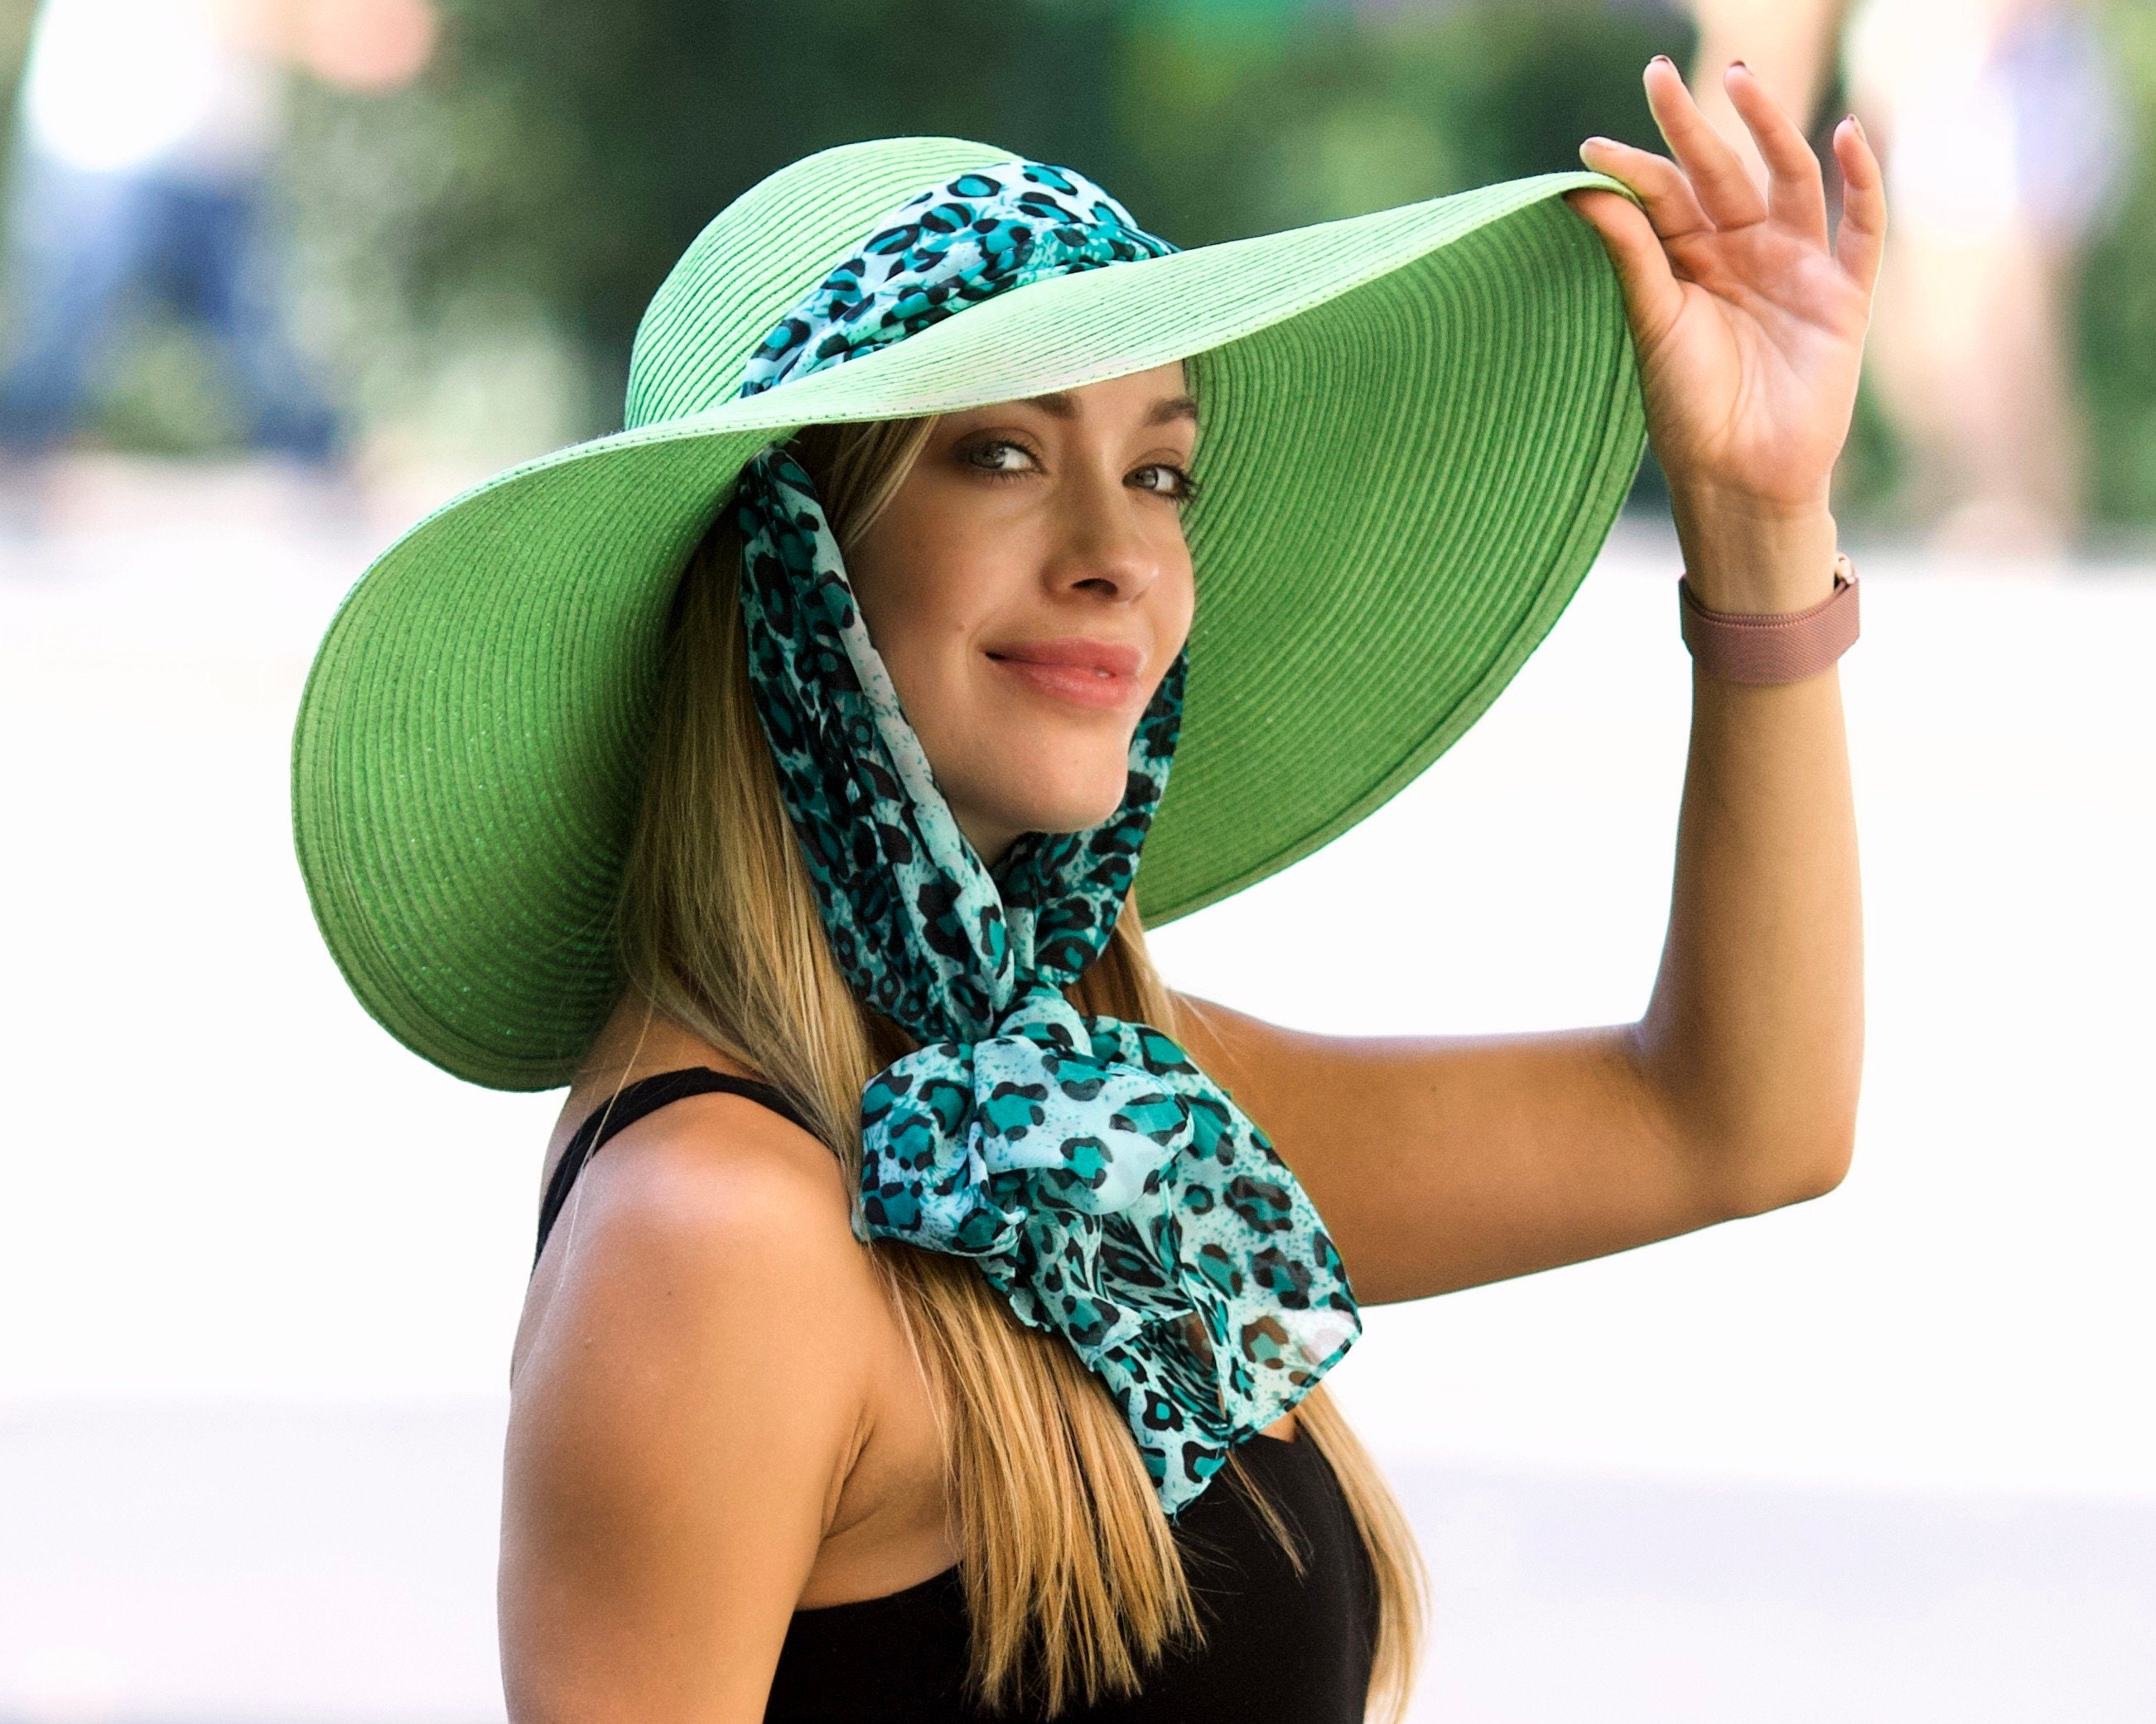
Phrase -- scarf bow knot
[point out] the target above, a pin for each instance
(1043, 1119)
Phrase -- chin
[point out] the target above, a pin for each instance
(1017, 773)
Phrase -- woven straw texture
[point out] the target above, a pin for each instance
(1416, 427)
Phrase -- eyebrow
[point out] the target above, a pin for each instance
(1058, 404)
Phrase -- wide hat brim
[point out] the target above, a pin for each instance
(1416, 429)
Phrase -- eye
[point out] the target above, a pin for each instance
(999, 456)
(1164, 479)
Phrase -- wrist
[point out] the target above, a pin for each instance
(1747, 556)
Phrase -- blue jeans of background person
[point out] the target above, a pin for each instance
(81, 244)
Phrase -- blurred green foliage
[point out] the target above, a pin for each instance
(555, 161)
(2117, 320)
(1220, 131)
(568, 154)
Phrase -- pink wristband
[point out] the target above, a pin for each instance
(1760, 649)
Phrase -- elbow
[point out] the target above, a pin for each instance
(1786, 1168)
(1764, 1140)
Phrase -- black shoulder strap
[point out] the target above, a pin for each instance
(640, 1101)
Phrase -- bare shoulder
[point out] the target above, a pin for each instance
(710, 1230)
(705, 1185)
(690, 1388)
(711, 1202)
(1225, 1043)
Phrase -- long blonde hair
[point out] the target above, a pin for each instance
(1072, 1579)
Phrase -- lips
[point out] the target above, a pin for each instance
(1100, 674)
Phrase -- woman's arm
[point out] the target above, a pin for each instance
(690, 1395)
(1441, 1163)
(1444, 1164)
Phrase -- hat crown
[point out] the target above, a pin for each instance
(760, 254)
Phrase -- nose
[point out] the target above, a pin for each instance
(1107, 539)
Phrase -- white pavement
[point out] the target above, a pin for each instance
(1891, 1456)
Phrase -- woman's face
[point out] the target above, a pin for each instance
(1029, 587)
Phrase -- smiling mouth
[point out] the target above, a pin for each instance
(1101, 675)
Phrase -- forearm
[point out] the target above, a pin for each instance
(1752, 1044)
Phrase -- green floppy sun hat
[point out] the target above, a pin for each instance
(1416, 429)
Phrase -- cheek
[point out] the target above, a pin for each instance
(1178, 603)
(923, 598)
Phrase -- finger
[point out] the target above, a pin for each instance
(1861, 243)
(1718, 177)
(1667, 194)
(1652, 296)
(1796, 193)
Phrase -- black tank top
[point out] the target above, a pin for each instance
(1277, 1645)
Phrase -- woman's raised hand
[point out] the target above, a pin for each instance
(1749, 322)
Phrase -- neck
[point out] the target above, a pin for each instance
(990, 839)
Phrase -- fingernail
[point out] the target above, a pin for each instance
(1664, 59)
(1740, 63)
(1859, 125)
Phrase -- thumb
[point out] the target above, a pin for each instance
(1653, 297)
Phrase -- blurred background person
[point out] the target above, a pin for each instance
(1788, 43)
(2002, 131)
(146, 132)
(2004, 136)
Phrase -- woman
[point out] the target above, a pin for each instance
(825, 813)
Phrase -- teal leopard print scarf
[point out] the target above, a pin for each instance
(1107, 1188)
